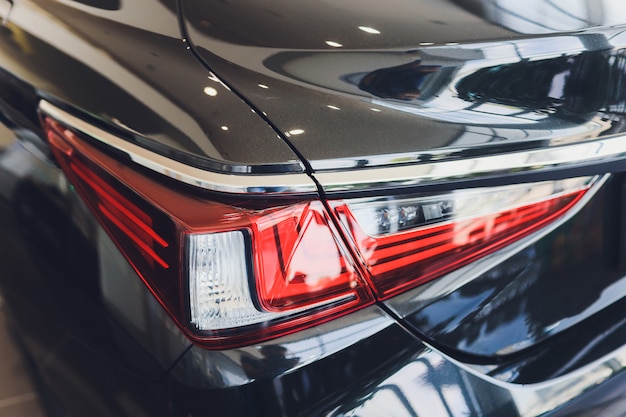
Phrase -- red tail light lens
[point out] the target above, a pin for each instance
(302, 260)
(228, 275)
(144, 234)
(406, 242)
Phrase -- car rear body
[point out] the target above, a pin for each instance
(414, 208)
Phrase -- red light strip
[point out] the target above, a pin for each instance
(112, 197)
(117, 210)
(126, 223)
(405, 260)
(132, 236)
(422, 249)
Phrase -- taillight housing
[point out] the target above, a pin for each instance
(285, 268)
(239, 273)
(227, 274)
(407, 241)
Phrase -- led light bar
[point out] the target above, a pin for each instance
(405, 242)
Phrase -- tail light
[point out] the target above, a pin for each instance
(237, 274)
(408, 241)
(228, 275)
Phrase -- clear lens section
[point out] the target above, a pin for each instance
(378, 218)
(219, 292)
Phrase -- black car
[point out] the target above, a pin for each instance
(283, 208)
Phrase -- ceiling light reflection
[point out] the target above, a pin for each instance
(334, 44)
(224, 127)
(210, 91)
(330, 106)
(296, 132)
(370, 30)
(263, 86)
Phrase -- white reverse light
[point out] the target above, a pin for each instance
(219, 291)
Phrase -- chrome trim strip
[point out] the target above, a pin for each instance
(536, 160)
(229, 183)
(598, 151)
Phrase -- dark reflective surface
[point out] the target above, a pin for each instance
(573, 88)
(351, 24)
(311, 390)
(424, 97)
(430, 384)
(330, 84)
(80, 309)
(354, 24)
(136, 76)
(404, 82)
(567, 351)
(545, 311)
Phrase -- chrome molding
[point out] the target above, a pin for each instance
(229, 183)
(536, 160)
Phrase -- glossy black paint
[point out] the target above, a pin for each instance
(107, 347)
(313, 390)
(392, 94)
(402, 23)
(566, 351)
(544, 289)
(139, 78)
